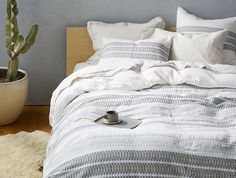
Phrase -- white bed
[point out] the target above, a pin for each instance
(188, 115)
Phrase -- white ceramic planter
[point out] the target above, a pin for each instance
(12, 99)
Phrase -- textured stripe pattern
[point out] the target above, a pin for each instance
(186, 131)
(230, 41)
(139, 50)
(145, 164)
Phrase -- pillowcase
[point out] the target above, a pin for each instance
(127, 31)
(152, 49)
(93, 60)
(206, 48)
(188, 23)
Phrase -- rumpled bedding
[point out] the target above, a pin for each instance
(188, 114)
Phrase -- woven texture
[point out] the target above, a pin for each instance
(186, 131)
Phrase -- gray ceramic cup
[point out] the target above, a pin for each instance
(112, 116)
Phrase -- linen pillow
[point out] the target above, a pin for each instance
(189, 23)
(206, 48)
(127, 31)
(93, 60)
(152, 49)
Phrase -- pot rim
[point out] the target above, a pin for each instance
(17, 81)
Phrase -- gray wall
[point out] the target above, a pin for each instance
(45, 62)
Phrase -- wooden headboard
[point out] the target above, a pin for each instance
(79, 46)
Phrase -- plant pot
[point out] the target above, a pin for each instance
(12, 97)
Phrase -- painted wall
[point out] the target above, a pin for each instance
(46, 61)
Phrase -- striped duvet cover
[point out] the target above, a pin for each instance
(186, 130)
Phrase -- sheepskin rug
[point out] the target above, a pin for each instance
(22, 154)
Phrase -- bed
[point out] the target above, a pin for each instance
(188, 124)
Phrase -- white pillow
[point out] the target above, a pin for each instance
(93, 60)
(127, 31)
(206, 48)
(188, 23)
(152, 49)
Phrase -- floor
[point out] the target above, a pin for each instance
(32, 118)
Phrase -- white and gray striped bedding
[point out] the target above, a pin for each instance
(141, 50)
(186, 130)
(190, 23)
(230, 40)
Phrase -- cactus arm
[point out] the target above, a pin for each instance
(18, 46)
(19, 43)
(12, 31)
(9, 46)
(30, 39)
(13, 21)
(9, 2)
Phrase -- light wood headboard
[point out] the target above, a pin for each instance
(79, 46)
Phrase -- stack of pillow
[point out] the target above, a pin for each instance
(197, 40)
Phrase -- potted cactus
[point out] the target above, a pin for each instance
(13, 81)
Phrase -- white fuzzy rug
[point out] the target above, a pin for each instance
(22, 154)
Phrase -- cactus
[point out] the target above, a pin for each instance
(15, 43)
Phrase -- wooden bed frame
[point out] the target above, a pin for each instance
(80, 47)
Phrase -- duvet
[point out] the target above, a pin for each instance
(188, 115)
